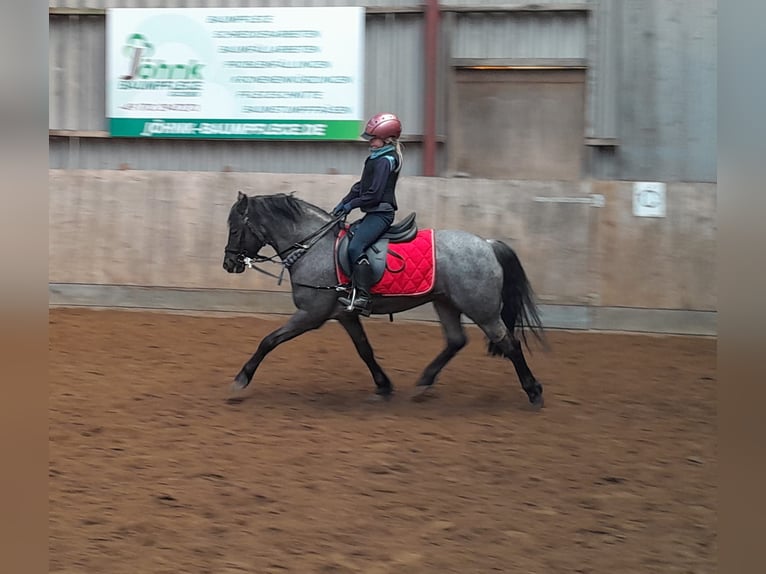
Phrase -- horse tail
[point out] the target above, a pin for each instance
(519, 311)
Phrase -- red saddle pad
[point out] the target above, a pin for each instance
(409, 272)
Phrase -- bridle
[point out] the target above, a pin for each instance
(287, 256)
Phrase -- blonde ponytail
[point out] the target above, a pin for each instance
(399, 148)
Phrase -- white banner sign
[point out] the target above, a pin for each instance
(290, 73)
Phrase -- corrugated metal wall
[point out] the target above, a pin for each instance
(394, 68)
(76, 75)
(100, 4)
(520, 35)
(394, 81)
(604, 54)
(256, 156)
(77, 45)
(651, 84)
(256, 3)
(657, 90)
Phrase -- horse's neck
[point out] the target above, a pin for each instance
(285, 236)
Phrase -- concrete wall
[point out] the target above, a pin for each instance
(156, 239)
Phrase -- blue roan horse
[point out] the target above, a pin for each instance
(482, 279)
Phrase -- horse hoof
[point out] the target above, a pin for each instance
(240, 383)
(537, 403)
(423, 393)
(379, 398)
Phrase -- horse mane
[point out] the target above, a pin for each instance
(283, 206)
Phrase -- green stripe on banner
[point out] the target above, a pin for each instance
(236, 129)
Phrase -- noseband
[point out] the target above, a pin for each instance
(239, 254)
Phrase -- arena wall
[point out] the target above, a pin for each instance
(155, 239)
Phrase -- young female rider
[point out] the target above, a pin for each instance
(375, 195)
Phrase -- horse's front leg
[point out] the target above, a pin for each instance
(355, 330)
(298, 324)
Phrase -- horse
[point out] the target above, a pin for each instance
(482, 279)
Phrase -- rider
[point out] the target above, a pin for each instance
(375, 195)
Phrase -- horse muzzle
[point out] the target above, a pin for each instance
(234, 264)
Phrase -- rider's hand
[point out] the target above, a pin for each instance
(341, 209)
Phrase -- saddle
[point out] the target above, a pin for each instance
(401, 232)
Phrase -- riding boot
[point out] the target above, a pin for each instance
(361, 279)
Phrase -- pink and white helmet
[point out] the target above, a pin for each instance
(384, 125)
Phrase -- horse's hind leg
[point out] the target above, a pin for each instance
(503, 343)
(355, 330)
(449, 316)
(299, 323)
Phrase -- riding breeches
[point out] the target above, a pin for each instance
(367, 232)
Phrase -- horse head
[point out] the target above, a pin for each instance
(245, 240)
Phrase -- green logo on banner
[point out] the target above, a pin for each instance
(139, 51)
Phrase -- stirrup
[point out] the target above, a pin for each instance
(352, 304)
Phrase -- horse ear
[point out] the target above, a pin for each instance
(241, 202)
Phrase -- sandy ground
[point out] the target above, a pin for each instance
(153, 471)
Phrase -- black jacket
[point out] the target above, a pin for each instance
(376, 190)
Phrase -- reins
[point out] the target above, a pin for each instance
(292, 254)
